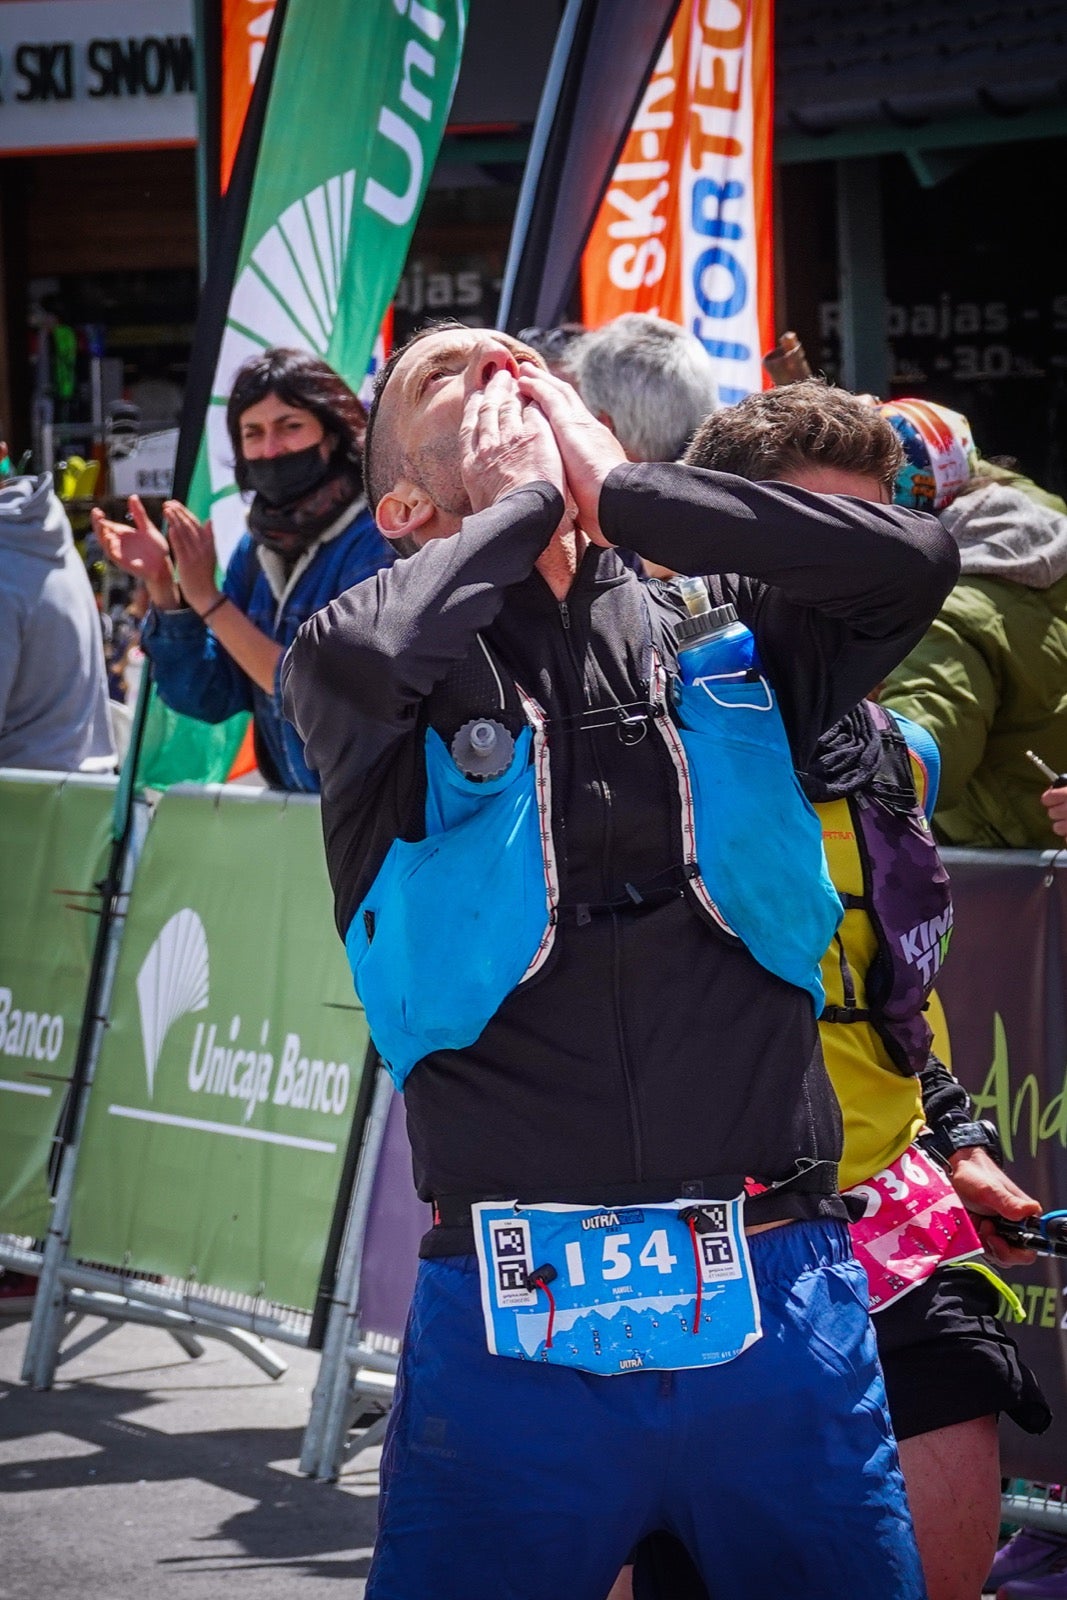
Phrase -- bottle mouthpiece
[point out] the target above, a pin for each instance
(482, 749)
(694, 591)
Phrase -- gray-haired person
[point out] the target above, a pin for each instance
(649, 381)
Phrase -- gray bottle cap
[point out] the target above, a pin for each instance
(482, 749)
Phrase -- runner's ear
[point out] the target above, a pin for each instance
(404, 510)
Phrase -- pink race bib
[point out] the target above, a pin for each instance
(913, 1224)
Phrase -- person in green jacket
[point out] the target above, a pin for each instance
(989, 679)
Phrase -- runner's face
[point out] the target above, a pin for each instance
(426, 395)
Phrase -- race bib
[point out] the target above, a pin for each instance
(914, 1223)
(629, 1289)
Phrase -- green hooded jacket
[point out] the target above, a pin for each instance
(989, 680)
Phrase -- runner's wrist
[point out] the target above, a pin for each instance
(957, 1136)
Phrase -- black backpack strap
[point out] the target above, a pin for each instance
(850, 1011)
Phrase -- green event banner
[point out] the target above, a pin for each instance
(224, 1095)
(358, 102)
(55, 835)
(1004, 988)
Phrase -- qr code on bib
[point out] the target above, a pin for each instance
(512, 1262)
(717, 1254)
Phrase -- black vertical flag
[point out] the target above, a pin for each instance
(604, 56)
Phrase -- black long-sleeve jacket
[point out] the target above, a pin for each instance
(652, 1051)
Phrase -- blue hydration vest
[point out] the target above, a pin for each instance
(457, 920)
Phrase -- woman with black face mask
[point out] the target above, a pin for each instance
(296, 430)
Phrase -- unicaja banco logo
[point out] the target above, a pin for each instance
(227, 1061)
(173, 981)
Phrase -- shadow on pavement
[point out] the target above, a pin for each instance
(290, 1523)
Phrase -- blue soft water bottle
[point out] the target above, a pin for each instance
(711, 642)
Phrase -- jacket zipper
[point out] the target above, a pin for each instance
(616, 964)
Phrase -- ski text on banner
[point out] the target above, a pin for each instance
(685, 229)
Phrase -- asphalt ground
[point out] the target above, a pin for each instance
(145, 1474)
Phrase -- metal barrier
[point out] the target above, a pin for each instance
(1035, 1505)
(176, 1080)
(218, 1038)
(55, 838)
(67, 1290)
(360, 1353)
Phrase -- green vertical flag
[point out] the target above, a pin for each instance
(342, 136)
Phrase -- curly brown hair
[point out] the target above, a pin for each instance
(808, 424)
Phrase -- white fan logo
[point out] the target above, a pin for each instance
(287, 295)
(173, 981)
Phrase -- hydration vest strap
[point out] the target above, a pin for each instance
(630, 721)
(669, 733)
(543, 785)
(666, 885)
(810, 1176)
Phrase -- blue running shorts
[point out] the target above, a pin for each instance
(515, 1480)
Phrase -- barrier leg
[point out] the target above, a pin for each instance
(322, 1451)
(181, 1326)
(253, 1348)
(86, 1342)
(46, 1324)
(374, 1435)
(186, 1342)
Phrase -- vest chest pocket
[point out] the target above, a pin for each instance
(758, 840)
(453, 921)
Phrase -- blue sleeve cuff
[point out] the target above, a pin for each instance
(181, 627)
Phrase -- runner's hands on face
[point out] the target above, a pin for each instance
(988, 1193)
(589, 450)
(505, 444)
(193, 545)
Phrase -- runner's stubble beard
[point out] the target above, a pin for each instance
(435, 468)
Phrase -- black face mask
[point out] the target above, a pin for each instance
(279, 480)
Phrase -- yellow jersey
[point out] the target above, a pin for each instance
(881, 1109)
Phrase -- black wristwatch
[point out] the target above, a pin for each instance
(957, 1134)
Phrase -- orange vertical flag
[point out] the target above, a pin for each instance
(685, 230)
(245, 25)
